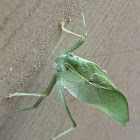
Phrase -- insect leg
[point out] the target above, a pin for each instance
(68, 31)
(84, 23)
(63, 100)
(81, 38)
(11, 95)
(44, 94)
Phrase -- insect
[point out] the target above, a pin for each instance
(86, 81)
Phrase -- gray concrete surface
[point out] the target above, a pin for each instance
(30, 39)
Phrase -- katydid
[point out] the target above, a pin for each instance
(86, 81)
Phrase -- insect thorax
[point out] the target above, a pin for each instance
(64, 61)
(84, 67)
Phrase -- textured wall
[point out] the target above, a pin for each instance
(30, 39)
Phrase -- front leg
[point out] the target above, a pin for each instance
(81, 38)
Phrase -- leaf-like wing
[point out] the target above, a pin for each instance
(111, 101)
(101, 94)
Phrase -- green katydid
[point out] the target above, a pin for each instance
(86, 81)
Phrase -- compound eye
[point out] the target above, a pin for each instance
(66, 66)
(71, 54)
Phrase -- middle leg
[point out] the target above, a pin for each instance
(44, 94)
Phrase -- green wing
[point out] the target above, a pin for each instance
(98, 91)
(111, 101)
